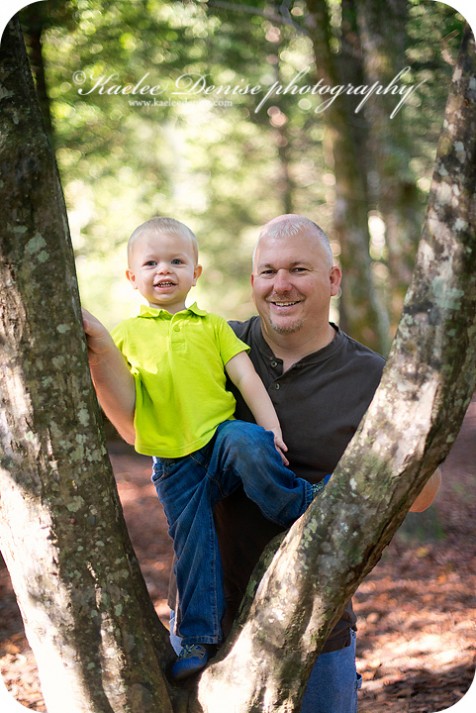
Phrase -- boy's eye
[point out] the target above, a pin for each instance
(150, 263)
(176, 261)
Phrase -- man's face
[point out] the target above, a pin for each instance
(293, 280)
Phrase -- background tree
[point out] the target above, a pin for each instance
(226, 169)
(361, 305)
(387, 33)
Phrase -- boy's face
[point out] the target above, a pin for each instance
(163, 267)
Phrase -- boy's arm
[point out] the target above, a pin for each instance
(242, 373)
(112, 379)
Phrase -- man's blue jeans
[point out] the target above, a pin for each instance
(333, 684)
(240, 453)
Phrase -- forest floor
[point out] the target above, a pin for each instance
(416, 610)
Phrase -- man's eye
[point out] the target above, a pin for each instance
(299, 269)
(266, 273)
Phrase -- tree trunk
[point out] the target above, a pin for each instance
(34, 17)
(97, 641)
(392, 185)
(362, 313)
(407, 431)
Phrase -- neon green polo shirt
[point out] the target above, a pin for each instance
(178, 361)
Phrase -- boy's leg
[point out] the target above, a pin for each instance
(333, 683)
(244, 453)
(187, 497)
(174, 638)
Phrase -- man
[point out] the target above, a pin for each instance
(321, 383)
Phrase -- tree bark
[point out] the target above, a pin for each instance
(407, 431)
(98, 643)
(34, 19)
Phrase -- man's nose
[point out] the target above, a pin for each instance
(282, 282)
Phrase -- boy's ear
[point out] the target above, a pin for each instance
(196, 273)
(132, 278)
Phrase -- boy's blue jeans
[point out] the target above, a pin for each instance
(240, 453)
(333, 684)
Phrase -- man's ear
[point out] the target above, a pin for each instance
(132, 278)
(335, 278)
(197, 271)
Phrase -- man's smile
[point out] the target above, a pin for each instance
(284, 304)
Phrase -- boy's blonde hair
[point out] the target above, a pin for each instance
(160, 224)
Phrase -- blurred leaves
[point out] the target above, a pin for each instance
(208, 159)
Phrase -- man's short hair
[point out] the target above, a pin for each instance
(291, 224)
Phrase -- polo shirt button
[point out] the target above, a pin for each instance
(274, 364)
(277, 387)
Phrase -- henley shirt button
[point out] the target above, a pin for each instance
(274, 364)
(277, 387)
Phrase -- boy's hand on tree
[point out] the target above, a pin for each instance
(97, 336)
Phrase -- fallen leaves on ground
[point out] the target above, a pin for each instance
(416, 609)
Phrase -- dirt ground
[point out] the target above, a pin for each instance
(416, 610)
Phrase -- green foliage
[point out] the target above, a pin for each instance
(210, 160)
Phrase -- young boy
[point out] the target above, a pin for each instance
(179, 358)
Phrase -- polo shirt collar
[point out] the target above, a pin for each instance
(313, 357)
(147, 311)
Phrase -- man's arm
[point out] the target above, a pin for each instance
(242, 373)
(112, 379)
(428, 494)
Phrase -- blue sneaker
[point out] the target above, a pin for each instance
(192, 659)
(317, 487)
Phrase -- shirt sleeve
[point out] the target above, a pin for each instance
(229, 344)
(120, 338)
